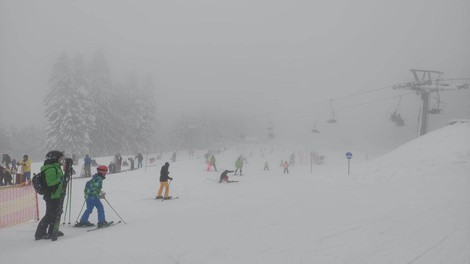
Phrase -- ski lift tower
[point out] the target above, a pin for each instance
(426, 82)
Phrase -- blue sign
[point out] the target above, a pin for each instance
(348, 155)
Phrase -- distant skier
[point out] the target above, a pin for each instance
(239, 165)
(164, 177)
(266, 166)
(131, 160)
(286, 167)
(87, 165)
(224, 176)
(139, 159)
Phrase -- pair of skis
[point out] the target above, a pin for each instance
(171, 198)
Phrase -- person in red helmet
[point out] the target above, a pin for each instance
(93, 194)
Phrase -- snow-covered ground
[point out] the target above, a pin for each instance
(411, 205)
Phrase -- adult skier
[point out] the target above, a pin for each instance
(239, 165)
(55, 179)
(164, 177)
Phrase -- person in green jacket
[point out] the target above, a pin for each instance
(239, 165)
(93, 194)
(55, 181)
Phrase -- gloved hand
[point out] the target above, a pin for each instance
(102, 195)
(170, 178)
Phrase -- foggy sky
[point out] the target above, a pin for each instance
(262, 56)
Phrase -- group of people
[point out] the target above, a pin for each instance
(56, 179)
(10, 169)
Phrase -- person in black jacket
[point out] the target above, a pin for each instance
(224, 176)
(164, 177)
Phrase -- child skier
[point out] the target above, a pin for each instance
(93, 194)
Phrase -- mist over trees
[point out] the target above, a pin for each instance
(89, 112)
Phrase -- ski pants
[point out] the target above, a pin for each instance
(46, 224)
(166, 186)
(238, 168)
(90, 204)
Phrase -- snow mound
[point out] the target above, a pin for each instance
(449, 145)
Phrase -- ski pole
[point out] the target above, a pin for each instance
(70, 199)
(114, 210)
(84, 201)
(68, 202)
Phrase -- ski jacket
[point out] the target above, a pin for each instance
(239, 163)
(54, 179)
(213, 160)
(93, 187)
(164, 174)
(87, 162)
(25, 165)
(224, 176)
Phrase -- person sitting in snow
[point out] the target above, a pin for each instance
(224, 176)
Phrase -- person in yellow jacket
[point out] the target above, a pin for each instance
(25, 169)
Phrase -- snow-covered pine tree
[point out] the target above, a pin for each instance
(148, 126)
(104, 135)
(64, 111)
(5, 141)
(129, 106)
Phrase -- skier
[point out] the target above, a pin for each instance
(131, 160)
(213, 162)
(164, 177)
(266, 166)
(139, 158)
(54, 177)
(239, 165)
(224, 176)
(87, 165)
(93, 194)
(286, 167)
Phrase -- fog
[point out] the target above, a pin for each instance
(270, 62)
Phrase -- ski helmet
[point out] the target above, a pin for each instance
(54, 155)
(25, 157)
(167, 164)
(102, 168)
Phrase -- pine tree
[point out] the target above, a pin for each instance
(104, 132)
(148, 125)
(66, 128)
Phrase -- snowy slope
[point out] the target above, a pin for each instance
(409, 206)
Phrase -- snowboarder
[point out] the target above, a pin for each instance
(224, 176)
(164, 177)
(93, 194)
(54, 177)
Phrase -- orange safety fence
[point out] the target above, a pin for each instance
(18, 204)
